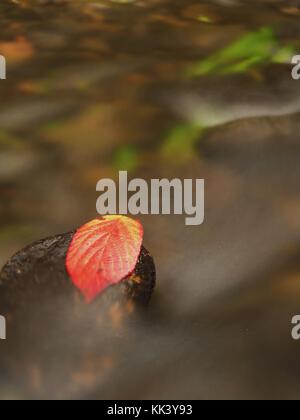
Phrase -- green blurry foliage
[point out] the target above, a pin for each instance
(126, 159)
(179, 145)
(252, 50)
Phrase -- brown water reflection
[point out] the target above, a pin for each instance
(97, 86)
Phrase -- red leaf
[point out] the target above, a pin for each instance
(104, 252)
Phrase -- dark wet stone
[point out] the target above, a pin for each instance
(38, 272)
(53, 335)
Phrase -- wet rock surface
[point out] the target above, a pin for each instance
(52, 330)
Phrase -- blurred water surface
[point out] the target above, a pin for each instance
(166, 88)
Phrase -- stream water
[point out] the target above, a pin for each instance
(165, 88)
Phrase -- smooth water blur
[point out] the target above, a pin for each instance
(167, 88)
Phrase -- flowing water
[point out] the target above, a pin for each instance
(166, 88)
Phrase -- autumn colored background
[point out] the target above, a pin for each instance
(166, 88)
